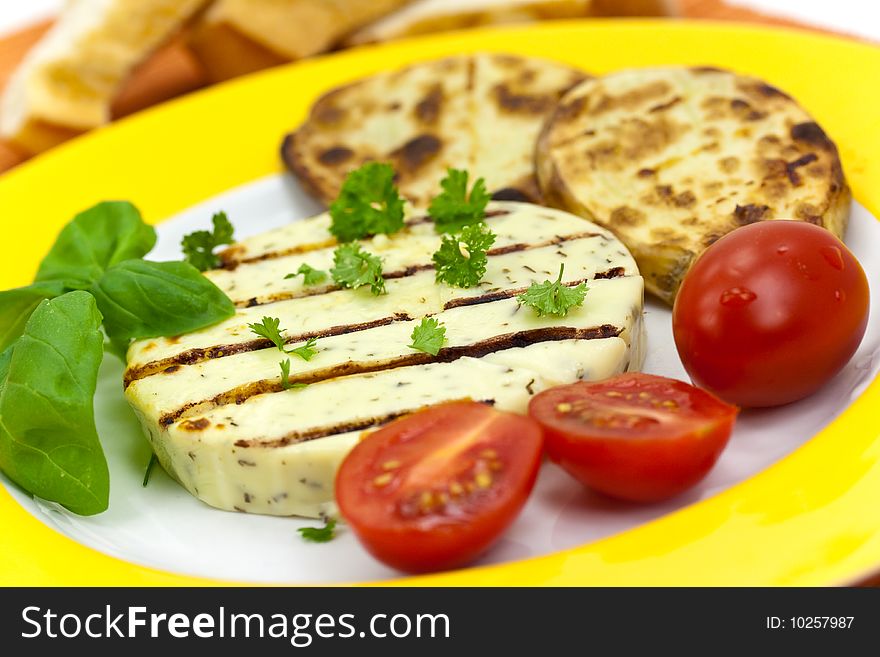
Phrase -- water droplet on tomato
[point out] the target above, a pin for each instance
(737, 297)
(804, 270)
(833, 257)
(782, 250)
(839, 295)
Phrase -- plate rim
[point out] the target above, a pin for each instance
(733, 538)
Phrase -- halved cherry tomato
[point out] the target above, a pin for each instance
(638, 437)
(435, 489)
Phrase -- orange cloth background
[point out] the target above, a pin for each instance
(174, 70)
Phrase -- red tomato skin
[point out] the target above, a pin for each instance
(770, 312)
(637, 465)
(634, 469)
(431, 542)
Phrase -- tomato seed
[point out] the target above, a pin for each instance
(382, 480)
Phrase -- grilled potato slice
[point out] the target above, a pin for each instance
(479, 112)
(673, 159)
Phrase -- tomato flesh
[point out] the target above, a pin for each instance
(435, 489)
(770, 312)
(636, 437)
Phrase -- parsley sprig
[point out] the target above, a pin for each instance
(270, 328)
(285, 374)
(319, 534)
(353, 267)
(307, 351)
(461, 260)
(368, 204)
(428, 336)
(553, 298)
(454, 208)
(311, 276)
(285, 377)
(198, 247)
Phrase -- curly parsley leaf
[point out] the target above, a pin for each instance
(311, 276)
(461, 260)
(307, 351)
(454, 208)
(368, 204)
(198, 247)
(319, 534)
(553, 298)
(269, 328)
(353, 268)
(428, 336)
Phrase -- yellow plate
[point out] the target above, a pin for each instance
(810, 519)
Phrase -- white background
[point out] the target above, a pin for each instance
(859, 17)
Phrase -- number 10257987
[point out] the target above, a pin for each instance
(809, 622)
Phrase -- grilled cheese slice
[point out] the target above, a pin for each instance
(223, 424)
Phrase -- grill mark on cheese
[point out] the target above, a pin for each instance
(361, 424)
(230, 261)
(615, 272)
(526, 338)
(201, 354)
(409, 271)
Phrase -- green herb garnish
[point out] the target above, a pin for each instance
(285, 374)
(144, 299)
(48, 441)
(311, 276)
(307, 351)
(319, 534)
(285, 377)
(198, 247)
(269, 328)
(461, 260)
(454, 208)
(553, 298)
(353, 268)
(368, 204)
(428, 336)
(52, 345)
(149, 470)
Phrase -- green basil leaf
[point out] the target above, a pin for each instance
(48, 442)
(143, 299)
(17, 305)
(94, 240)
